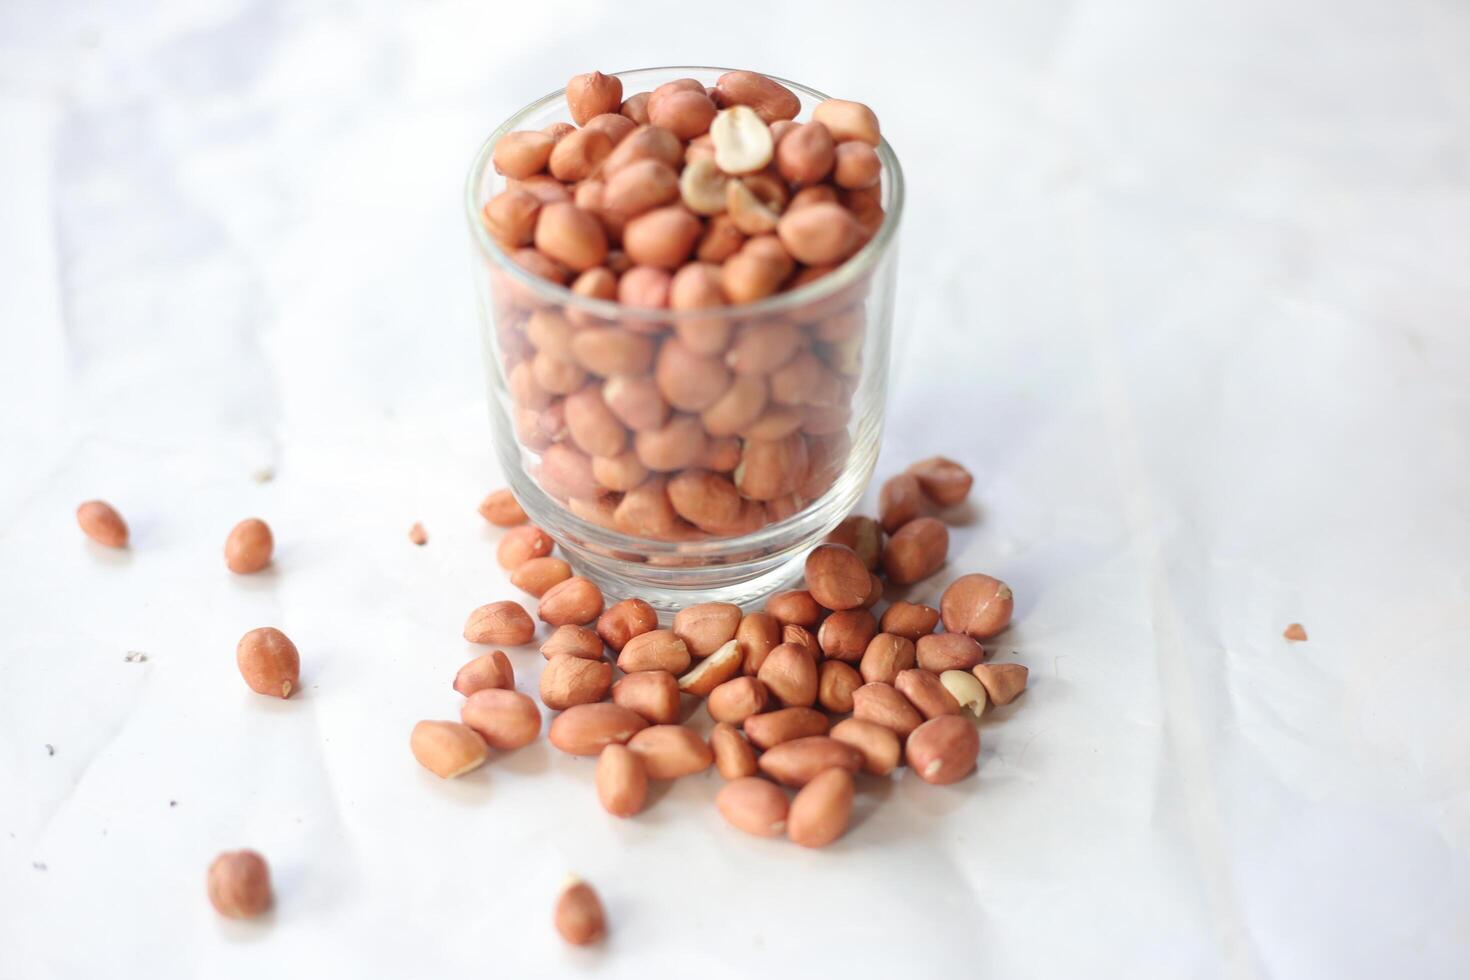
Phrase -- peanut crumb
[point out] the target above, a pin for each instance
(1296, 633)
(417, 534)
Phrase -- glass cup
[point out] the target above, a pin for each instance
(686, 456)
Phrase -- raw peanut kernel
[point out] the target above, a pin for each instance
(576, 641)
(578, 915)
(622, 781)
(522, 154)
(707, 626)
(943, 750)
(977, 605)
(502, 623)
(569, 680)
(820, 234)
(239, 884)
(736, 700)
(702, 187)
(1296, 633)
(883, 705)
(795, 607)
(770, 99)
(662, 237)
(671, 751)
(857, 166)
(916, 551)
(734, 758)
(576, 602)
(536, 575)
(886, 657)
(653, 694)
(759, 634)
(848, 120)
(269, 662)
(864, 536)
(742, 141)
(836, 577)
(943, 480)
(417, 534)
(248, 547)
(835, 683)
(800, 636)
(570, 235)
(909, 619)
(771, 729)
(591, 94)
(640, 186)
(714, 670)
(102, 524)
(492, 670)
(925, 692)
(753, 805)
(878, 745)
(635, 107)
(948, 651)
(615, 125)
(624, 620)
(795, 763)
(965, 688)
(821, 810)
(805, 156)
(845, 635)
(521, 544)
(446, 748)
(684, 112)
(790, 674)
(645, 142)
(655, 650)
(586, 729)
(900, 501)
(504, 719)
(1003, 682)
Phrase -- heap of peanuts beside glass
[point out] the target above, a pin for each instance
(804, 695)
(687, 424)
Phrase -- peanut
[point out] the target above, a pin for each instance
(569, 680)
(916, 551)
(736, 700)
(417, 534)
(795, 606)
(759, 633)
(707, 626)
(591, 94)
(752, 208)
(737, 408)
(684, 112)
(619, 473)
(977, 605)
(966, 689)
(536, 575)
(742, 141)
(864, 536)
(609, 352)
(925, 692)
(662, 237)
(655, 650)
(645, 510)
(721, 239)
(492, 670)
(790, 674)
(882, 704)
(446, 748)
(586, 729)
(557, 130)
(521, 544)
(689, 381)
(653, 694)
(578, 914)
(856, 166)
(571, 235)
(771, 468)
(248, 546)
(805, 157)
(1003, 682)
(836, 577)
(800, 636)
(577, 601)
(640, 186)
(885, 657)
(848, 120)
(624, 620)
(714, 670)
(644, 143)
(768, 730)
(576, 641)
(835, 683)
(502, 623)
(505, 719)
(820, 234)
(770, 99)
(239, 884)
(948, 651)
(614, 124)
(878, 746)
(900, 501)
(795, 763)
(943, 481)
(522, 154)
(753, 805)
(100, 522)
(635, 107)
(671, 751)
(909, 620)
(943, 750)
(821, 810)
(501, 509)
(636, 401)
(510, 218)
(269, 662)
(593, 427)
(703, 187)
(762, 347)
(676, 445)
(734, 758)
(622, 781)
(846, 635)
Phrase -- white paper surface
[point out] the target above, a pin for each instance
(1184, 283)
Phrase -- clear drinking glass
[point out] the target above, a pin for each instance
(555, 362)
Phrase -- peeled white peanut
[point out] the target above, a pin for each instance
(742, 140)
(701, 187)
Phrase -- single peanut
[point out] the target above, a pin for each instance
(771, 468)
(966, 689)
(714, 670)
(521, 544)
(845, 635)
(522, 154)
(569, 680)
(622, 781)
(593, 427)
(759, 633)
(882, 704)
(609, 352)
(805, 156)
(948, 651)
(738, 407)
(653, 694)
(645, 511)
(820, 234)
(741, 139)
(768, 730)
(616, 125)
(636, 402)
(763, 346)
(640, 186)
(635, 107)
(492, 670)
(864, 536)
(239, 884)
(684, 112)
(925, 691)
(662, 237)
(721, 239)
(916, 551)
(502, 623)
(1003, 682)
(800, 636)
(619, 473)
(100, 522)
(576, 641)
(671, 751)
(578, 914)
(510, 217)
(591, 94)
(501, 509)
(909, 619)
(977, 605)
(900, 501)
(796, 606)
(689, 381)
(644, 143)
(655, 650)
(536, 575)
(703, 187)
(734, 758)
(737, 699)
(848, 120)
(248, 546)
(795, 763)
(771, 100)
(885, 657)
(790, 674)
(505, 719)
(836, 577)
(821, 810)
(707, 626)
(879, 746)
(577, 601)
(269, 662)
(753, 805)
(835, 683)
(943, 750)
(586, 729)
(676, 445)
(856, 166)
(446, 748)
(624, 620)
(943, 481)
(571, 236)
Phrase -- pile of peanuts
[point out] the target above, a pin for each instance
(804, 695)
(685, 425)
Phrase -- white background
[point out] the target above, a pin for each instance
(1185, 283)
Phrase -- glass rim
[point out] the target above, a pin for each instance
(849, 272)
